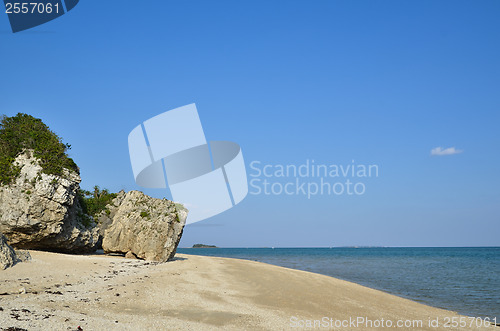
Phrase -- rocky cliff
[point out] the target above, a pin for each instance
(42, 207)
(41, 211)
(149, 228)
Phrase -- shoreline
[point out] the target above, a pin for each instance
(432, 276)
(59, 291)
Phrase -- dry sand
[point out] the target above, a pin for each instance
(63, 292)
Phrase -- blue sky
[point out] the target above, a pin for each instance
(378, 82)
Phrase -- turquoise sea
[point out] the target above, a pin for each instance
(466, 280)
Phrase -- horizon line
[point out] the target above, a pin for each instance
(350, 246)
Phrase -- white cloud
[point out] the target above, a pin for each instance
(439, 151)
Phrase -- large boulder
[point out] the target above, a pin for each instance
(149, 228)
(7, 254)
(41, 211)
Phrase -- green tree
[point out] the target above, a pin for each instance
(25, 132)
(96, 201)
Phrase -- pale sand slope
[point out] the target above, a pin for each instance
(189, 293)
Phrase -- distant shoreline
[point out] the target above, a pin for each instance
(204, 246)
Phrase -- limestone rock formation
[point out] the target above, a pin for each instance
(147, 227)
(7, 255)
(105, 218)
(40, 211)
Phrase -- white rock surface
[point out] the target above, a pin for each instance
(40, 211)
(149, 228)
(7, 255)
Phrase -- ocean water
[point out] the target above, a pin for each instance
(466, 280)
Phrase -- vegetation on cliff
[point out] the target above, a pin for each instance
(25, 132)
(96, 201)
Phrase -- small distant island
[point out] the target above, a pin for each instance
(204, 246)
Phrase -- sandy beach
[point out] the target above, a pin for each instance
(96, 292)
